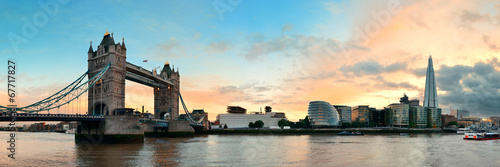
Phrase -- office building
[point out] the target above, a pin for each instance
(399, 115)
(344, 113)
(377, 117)
(361, 114)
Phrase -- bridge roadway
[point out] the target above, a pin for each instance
(140, 75)
(51, 117)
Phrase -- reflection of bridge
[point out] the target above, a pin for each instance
(105, 88)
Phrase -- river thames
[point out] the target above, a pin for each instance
(56, 149)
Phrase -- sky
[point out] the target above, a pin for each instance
(257, 53)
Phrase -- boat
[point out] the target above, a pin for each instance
(344, 133)
(462, 131)
(71, 131)
(481, 136)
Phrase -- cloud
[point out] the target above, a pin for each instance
(371, 68)
(218, 47)
(286, 28)
(292, 46)
(474, 88)
(381, 83)
(333, 7)
(171, 48)
(469, 17)
(490, 44)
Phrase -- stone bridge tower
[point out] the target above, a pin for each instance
(166, 103)
(108, 93)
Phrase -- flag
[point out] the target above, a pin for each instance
(145, 61)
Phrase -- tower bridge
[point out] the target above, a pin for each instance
(106, 118)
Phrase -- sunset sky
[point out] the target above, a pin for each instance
(255, 53)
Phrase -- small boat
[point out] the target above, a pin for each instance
(71, 131)
(344, 133)
(481, 136)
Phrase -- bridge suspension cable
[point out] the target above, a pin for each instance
(66, 95)
(189, 114)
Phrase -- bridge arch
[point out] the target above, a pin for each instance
(100, 109)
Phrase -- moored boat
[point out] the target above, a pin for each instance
(481, 136)
(344, 133)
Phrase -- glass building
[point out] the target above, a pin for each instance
(322, 114)
(399, 115)
(433, 117)
(344, 112)
(418, 116)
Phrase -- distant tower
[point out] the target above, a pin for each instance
(430, 96)
(167, 97)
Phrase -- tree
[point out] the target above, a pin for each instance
(451, 123)
(283, 122)
(412, 125)
(346, 125)
(259, 124)
(225, 126)
(251, 125)
(307, 122)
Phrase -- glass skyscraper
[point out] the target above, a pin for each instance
(431, 104)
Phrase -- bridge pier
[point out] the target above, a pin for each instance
(114, 129)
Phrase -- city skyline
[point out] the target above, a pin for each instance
(284, 57)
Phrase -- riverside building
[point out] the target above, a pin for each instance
(323, 114)
(344, 113)
(236, 117)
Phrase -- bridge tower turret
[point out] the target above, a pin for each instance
(167, 97)
(108, 93)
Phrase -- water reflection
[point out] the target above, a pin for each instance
(43, 149)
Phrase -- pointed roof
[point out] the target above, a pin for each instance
(90, 48)
(167, 69)
(107, 40)
(123, 44)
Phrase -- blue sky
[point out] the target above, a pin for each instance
(258, 53)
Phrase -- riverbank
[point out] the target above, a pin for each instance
(320, 131)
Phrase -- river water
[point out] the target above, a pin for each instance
(56, 149)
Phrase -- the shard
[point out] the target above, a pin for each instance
(430, 96)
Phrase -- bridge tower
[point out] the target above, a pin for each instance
(166, 103)
(108, 93)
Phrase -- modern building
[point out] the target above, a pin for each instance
(235, 121)
(399, 115)
(361, 114)
(344, 113)
(431, 104)
(460, 113)
(377, 117)
(236, 110)
(430, 95)
(433, 117)
(418, 116)
(322, 114)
